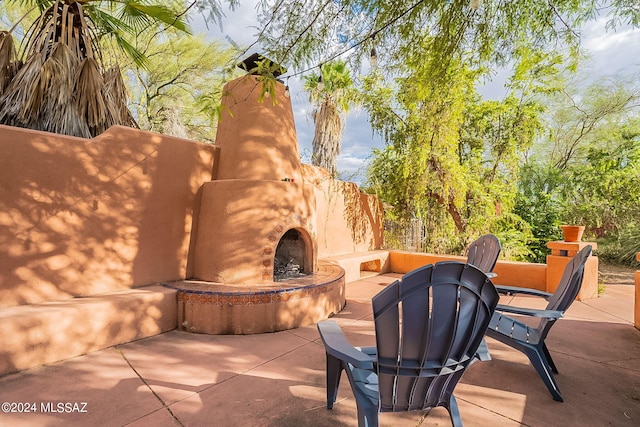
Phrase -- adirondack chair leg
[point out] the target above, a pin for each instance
(334, 372)
(367, 415)
(454, 412)
(549, 358)
(539, 361)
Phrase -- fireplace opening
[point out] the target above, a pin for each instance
(290, 260)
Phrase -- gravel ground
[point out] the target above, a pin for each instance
(616, 275)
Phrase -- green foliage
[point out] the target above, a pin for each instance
(601, 191)
(515, 238)
(621, 249)
(583, 113)
(179, 91)
(304, 33)
(624, 12)
(587, 166)
(536, 205)
(592, 149)
(337, 85)
(452, 160)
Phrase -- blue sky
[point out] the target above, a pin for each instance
(611, 52)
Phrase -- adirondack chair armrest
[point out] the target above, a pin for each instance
(336, 345)
(549, 314)
(513, 290)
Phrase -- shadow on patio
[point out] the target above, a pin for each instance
(179, 378)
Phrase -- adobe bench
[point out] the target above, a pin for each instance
(47, 332)
(356, 265)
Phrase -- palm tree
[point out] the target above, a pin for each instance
(60, 83)
(331, 92)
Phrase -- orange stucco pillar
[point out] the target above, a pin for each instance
(561, 253)
(636, 309)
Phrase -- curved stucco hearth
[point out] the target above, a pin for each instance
(217, 308)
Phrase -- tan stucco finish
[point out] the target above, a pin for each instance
(561, 254)
(80, 217)
(257, 138)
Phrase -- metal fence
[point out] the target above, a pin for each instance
(406, 236)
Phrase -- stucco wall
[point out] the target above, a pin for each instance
(348, 221)
(509, 273)
(81, 217)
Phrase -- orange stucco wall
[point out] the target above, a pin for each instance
(561, 254)
(543, 277)
(348, 221)
(237, 239)
(86, 216)
(257, 137)
(509, 273)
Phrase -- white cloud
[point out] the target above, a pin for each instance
(611, 51)
(238, 25)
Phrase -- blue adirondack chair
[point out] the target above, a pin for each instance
(429, 328)
(529, 339)
(483, 253)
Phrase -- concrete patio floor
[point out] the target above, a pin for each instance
(278, 379)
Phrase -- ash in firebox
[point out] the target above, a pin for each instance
(285, 270)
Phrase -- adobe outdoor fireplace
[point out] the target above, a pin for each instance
(254, 264)
(258, 195)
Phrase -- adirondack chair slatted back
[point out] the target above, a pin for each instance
(483, 252)
(428, 329)
(567, 289)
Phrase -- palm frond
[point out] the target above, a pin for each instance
(90, 102)
(23, 97)
(138, 57)
(115, 93)
(62, 86)
(7, 59)
(41, 4)
(107, 23)
(62, 23)
(59, 111)
(139, 15)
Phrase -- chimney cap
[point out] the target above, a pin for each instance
(251, 65)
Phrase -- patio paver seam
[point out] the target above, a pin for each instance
(498, 414)
(239, 374)
(622, 319)
(164, 405)
(278, 357)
